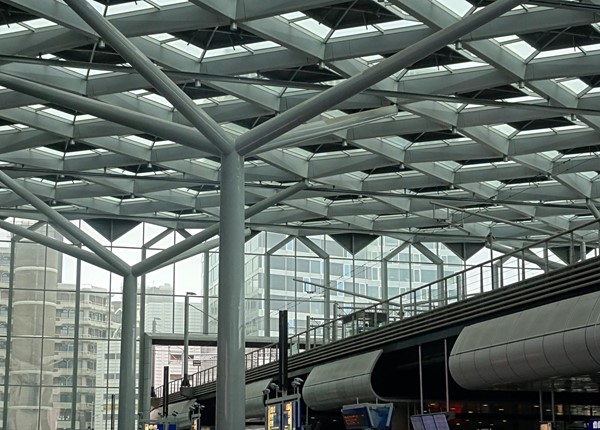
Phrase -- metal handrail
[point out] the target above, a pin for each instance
(329, 330)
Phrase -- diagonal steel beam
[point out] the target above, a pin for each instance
(156, 261)
(323, 128)
(118, 265)
(168, 89)
(59, 246)
(277, 126)
(181, 134)
(199, 249)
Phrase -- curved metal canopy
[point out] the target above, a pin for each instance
(496, 134)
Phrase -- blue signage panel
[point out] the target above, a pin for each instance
(594, 424)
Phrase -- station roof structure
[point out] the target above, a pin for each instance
(497, 134)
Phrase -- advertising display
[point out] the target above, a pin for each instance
(593, 424)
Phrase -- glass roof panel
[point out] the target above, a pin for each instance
(277, 73)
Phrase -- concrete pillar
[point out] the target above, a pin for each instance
(31, 405)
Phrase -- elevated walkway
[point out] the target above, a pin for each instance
(515, 281)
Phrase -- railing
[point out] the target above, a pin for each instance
(501, 271)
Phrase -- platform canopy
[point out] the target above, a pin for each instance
(494, 135)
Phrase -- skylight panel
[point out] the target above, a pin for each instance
(59, 113)
(168, 2)
(313, 27)
(575, 85)
(590, 48)
(138, 139)
(12, 28)
(465, 65)
(258, 46)
(84, 117)
(187, 48)
(354, 31)
(401, 23)
(535, 131)
(128, 7)
(158, 99)
(229, 50)
(161, 37)
(504, 129)
(557, 52)
(40, 23)
(292, 16)
(458, 7)
(522, 49)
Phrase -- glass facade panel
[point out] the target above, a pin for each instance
(60, 338)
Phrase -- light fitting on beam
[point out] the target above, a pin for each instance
(344, 142)
(149, 165)
(233, 26)
(101, 44)
(574, 117)
(458, 45)
(505, 158)
(197, 83)
(321, 65)
(453, 129)
(521, 84)
(71, 141)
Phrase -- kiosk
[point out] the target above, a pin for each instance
(368, 416)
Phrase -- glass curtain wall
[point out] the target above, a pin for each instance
(60, 318)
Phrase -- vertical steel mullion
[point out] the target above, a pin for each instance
(446, 375)
(143, 390)
(267, 293)
(45, 286)
(421, 380)
(385, 295)
(327, 298)
(11, 282)
(76, 342)
(205, 292)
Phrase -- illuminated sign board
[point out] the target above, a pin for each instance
(356, 419)
(593, 424)
(273, 417)
(284, 414)
(368, 416)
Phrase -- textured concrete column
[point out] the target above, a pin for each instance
(128, 368)
(231, 337)
(31, 373)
